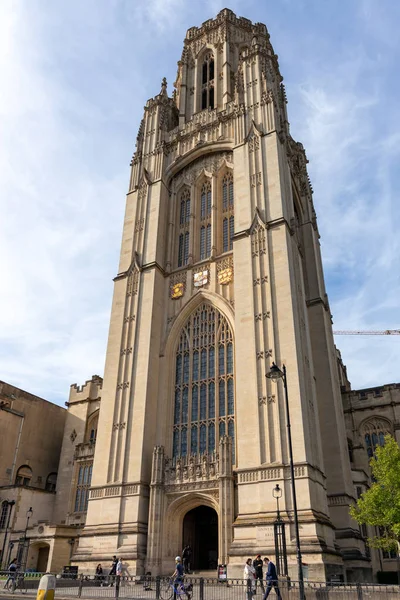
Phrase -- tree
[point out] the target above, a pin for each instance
(380, 504)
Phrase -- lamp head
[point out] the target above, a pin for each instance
(277, 492)
(29, 512)
(274, 373)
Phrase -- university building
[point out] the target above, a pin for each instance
(220, 275)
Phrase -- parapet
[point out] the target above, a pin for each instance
(90, 390)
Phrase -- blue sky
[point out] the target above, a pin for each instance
(75, 76)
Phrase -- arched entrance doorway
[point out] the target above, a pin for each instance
(200, 532)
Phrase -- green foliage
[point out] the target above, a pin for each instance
(380, 505)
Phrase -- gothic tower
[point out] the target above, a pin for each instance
(220, 274)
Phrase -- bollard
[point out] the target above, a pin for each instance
(158, 587)
(47, 586)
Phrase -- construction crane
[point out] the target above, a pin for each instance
(386, 332)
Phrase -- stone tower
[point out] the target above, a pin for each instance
(220, 274)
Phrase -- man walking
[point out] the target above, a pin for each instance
(113, 571)
(258, 565)
(271, 579)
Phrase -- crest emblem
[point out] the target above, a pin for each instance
(225, 276)
(201, 278)
(177, 290)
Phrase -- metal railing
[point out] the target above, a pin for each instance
(161, 588)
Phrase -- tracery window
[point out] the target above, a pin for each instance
(205, 221)
(207, 82)
(83, 486)
(374, 432)
(228, 219)
(204, 403)
(184, 221)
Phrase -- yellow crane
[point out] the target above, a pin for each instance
(351, 332)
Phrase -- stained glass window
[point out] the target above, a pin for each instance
(204, 383)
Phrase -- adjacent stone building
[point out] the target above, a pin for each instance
(44, 447)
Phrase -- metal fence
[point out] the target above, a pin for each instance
(159, 588)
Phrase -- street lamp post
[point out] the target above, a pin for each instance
(279, 536)
(29, 513)
(24, 543)
(275, 373)
(10, 503)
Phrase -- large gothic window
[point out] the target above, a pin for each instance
(374, 431)
(228, 219)
(207, 82)
(205, 221)
(184, 222)
(204, 408)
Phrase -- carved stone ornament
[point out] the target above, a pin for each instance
(119, 426)
(177, 290)
(201, 278)
(73, 435)
(225, 276)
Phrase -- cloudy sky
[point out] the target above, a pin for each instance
(74, 78)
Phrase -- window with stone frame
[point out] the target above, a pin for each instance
(51, 482)
(204, 397)
(24, 476)
(205, 221)
(207, 81)
(387, 554)
(184, 223)
(228, 219)
(374, 431)
(4, 514)
(83, 487)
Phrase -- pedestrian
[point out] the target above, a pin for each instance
(118, 569)
(271, 579)
(249, 575)
(12, 572)
(186, 558)
(99, 575)
(113, 571)
(258, 565)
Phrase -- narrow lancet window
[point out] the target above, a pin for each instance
(207, 82)
(205, 220)
(228, 219)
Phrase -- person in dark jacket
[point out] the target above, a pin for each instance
(113, 571)
(258, 565)
(271, 579)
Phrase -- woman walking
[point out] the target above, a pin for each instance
(249, 576)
